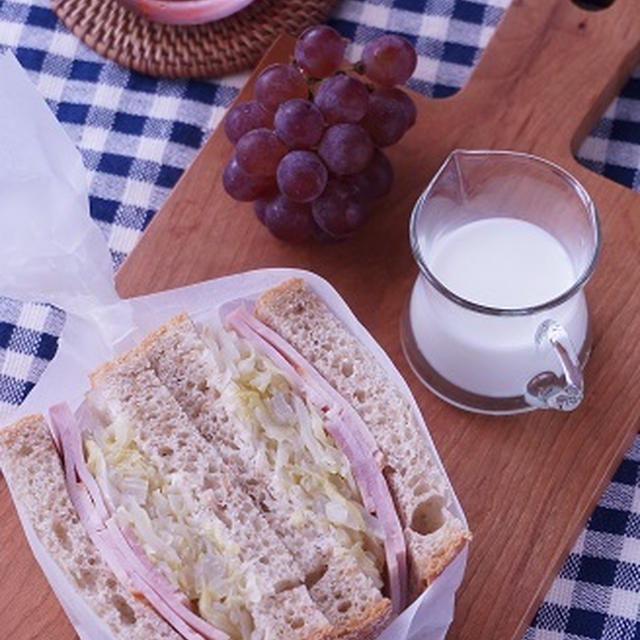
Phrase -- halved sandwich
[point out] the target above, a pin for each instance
(258, 479)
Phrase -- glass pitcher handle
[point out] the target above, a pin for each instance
(547, 390)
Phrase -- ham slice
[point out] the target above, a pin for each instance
(305, 370)
(65, 425)
(125, 557)
(350, 433)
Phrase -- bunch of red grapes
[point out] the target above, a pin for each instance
(308, 146)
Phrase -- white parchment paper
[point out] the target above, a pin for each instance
(53, 252)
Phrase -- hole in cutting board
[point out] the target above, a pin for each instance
(593, 5)
(612, 149)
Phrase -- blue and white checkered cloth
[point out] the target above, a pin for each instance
(137, 134)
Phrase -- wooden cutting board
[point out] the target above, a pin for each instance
(527, 483)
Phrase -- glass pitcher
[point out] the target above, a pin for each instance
(497, 320)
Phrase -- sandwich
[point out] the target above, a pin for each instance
(257, 479)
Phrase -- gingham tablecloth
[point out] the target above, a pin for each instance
(137, 134)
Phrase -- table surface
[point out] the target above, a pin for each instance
(137, 134)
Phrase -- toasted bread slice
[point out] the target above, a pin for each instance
(129, 389)
(434, 535)
(344, 593)
(33, 471)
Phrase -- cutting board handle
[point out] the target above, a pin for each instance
(556, 68)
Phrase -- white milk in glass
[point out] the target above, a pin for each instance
(503, 263)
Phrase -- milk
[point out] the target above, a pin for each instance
(504, 263)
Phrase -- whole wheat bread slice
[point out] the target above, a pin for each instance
(33, 471)
(434, 535)
(183, 361)
(130, 388)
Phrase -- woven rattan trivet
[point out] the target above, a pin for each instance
(209, 50)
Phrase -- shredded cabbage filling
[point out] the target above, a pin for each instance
(285, 432)
(196, 556)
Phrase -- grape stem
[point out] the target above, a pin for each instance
(313, 82)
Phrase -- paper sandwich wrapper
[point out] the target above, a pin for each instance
(53, 252)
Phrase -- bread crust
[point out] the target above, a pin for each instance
(138, 351)
(439, 563)
(9, 433)
(368, 626)
(273, 300)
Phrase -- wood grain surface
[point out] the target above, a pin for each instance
(527, 483)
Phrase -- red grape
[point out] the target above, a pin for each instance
(323, 237)
(389, 60)
(299, 124)
(386, 119)
(242, 186)
(407, 103)
(244, 117)
(288, 220)
(346, 148)
(302, 176)
(339, 211)
(376, 180)
(277, 83)
(342, 98)
(260, 209)
(259, 152)
(320, 51)
(402, 100)
(308, 144)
